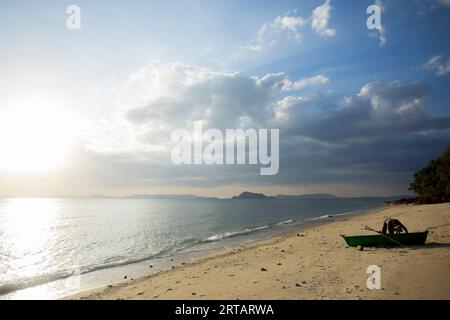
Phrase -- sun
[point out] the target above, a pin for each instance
(35, 135)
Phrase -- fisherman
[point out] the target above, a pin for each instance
(394, 226)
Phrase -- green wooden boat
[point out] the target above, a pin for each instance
(406, 239)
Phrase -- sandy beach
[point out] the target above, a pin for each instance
(314, 263)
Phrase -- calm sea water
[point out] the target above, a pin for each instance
(46, 240)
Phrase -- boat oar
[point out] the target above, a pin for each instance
(384, 235)
(435, 227)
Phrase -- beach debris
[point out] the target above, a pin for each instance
(194, 294)
(110, 286)
(125, 277)
(360, 248)
(279, 264)
(140, 293)
(298, 285)
(263, 269)
(150, 266)
(282, 251)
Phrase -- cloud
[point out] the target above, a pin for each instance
(379, 109)
(379, 135)
(438, 65)
(287, 28)
(280, 81)
(371, 141)
(319, 20)
(220, 99)
(311, 81)
(382, 36)
(444, 2)
(290, 25)
(270, 34)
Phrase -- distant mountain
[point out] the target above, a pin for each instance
(167, 196)
(148, 196)
(250, 195)
(243, 195)
(95, 196)
(308, 196)
(253, 195)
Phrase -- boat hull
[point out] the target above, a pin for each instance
(415, 238)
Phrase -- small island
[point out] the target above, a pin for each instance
(250, 195)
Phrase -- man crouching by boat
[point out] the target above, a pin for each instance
(394, 226)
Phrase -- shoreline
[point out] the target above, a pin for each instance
(115, 275)
(312, 279)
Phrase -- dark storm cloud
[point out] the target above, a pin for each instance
(381, 134)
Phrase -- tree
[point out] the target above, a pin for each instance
(432, 183)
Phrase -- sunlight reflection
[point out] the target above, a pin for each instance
(29, 225)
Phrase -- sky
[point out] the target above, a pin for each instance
(92, 110)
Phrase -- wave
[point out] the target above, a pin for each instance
(346, 213)
(24, 283)
(163, 253)
(14, 285)
(226, 235)
(230, 234)
(327, 216)
(284, 222)
(330, 216)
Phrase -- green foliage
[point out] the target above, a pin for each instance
(433, 181)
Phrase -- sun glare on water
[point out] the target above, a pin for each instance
(35, 136)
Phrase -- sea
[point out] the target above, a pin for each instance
(51, 248)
